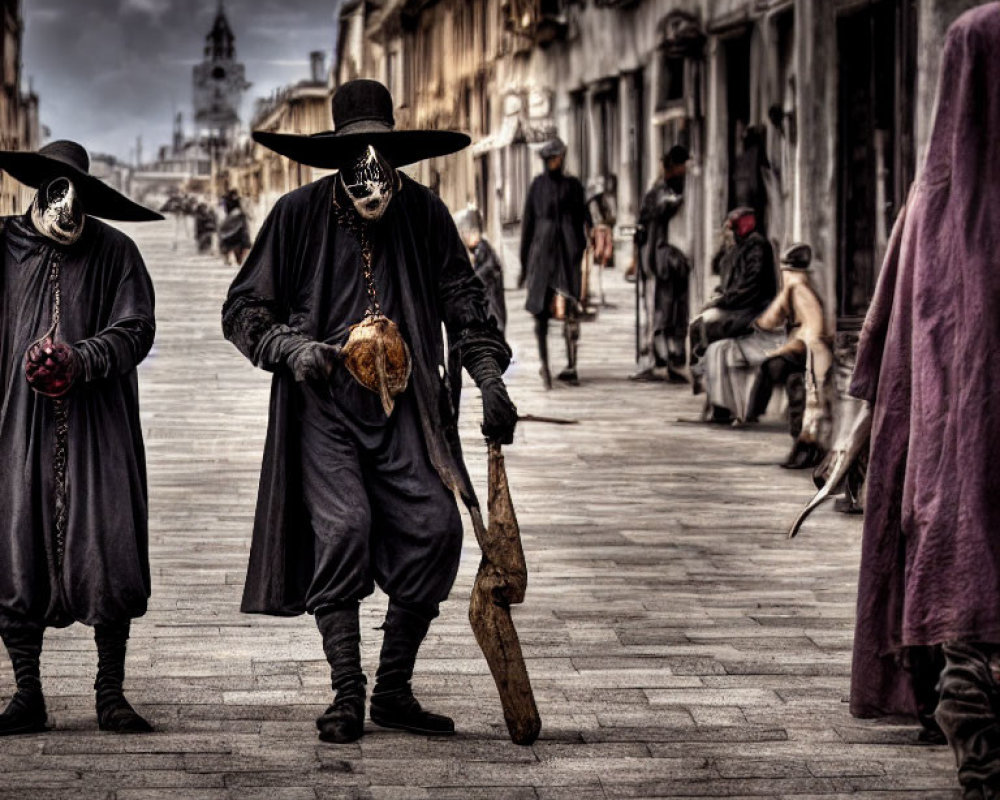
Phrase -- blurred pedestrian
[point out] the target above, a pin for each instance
(234, 231)
(554, 230)
(205, 226)
(665, 269)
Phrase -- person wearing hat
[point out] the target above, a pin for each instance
(665, 271)
(798, 310)
(343, 297)
(77, 318)
(554, 230)
(485, 261)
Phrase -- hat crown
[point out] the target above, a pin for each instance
(71, 153)
(362, 101)
(797, 256)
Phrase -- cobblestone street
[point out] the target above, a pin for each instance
(678, 644)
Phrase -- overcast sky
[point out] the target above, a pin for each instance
(107, 71)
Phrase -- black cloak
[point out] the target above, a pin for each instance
(107, 313)
(553, 238)
(285, 281)
(664, 266)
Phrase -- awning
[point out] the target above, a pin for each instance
(514, 129)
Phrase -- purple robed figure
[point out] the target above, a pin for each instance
(929, 363)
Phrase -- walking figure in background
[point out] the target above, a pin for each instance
(665, 271)
(929, 364)
(76, 319)
(602, 205)
(554, 230)
(343, 298)
(177, 207)
(205, 226)
(234, 231)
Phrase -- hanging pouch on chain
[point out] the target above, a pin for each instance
(377, 356)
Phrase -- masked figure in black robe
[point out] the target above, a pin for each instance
(77, 318)
(554, 230)
(343, 297)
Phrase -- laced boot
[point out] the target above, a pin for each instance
(542, 335)
(114, 713)
(26, 711)
(344, 720)
(393, 704)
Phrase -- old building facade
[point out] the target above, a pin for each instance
(19, 126)
(818, 108)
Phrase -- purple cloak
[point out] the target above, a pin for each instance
(929, 362)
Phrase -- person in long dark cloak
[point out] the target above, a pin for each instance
(665, 273)
(554, 230)
(77, 317)
(929, 364)
(359, 482)
(234, 230)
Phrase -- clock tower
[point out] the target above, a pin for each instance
(219, 83)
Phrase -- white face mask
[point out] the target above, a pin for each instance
(57, 212)
(369, 182)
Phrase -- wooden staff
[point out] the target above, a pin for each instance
(500, 583)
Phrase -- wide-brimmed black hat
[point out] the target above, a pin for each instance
(362, 115)
(66, 159)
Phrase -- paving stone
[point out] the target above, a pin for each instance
(679, 645)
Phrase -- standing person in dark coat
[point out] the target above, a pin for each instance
(76, 319)
(554, 230)
(343, 298)
(748, 284)
(665, 272)
(929, 364)
(204, 227)
(234, 231)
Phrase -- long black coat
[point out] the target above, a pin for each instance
(664, 266)
(748, 280)
(107, 312)
(553, 238)
(286, 280)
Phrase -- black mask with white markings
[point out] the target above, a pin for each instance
(57, 212)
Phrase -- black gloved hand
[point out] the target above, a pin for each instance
(313, 360)
(499, 413)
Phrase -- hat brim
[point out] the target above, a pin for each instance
(329, 150)
(99, 199)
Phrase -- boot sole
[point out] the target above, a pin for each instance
(411, 728)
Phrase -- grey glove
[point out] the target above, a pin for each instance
(310, 361)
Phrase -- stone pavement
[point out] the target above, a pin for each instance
(679, 646)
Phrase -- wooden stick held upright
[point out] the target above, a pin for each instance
(501, 582)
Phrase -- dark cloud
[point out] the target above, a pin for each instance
(107, 71)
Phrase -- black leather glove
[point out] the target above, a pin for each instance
(311, 360)
(499, 412)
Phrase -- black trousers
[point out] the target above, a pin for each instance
(378, 510)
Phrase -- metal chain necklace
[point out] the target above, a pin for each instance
(350, 219)
(61, 407)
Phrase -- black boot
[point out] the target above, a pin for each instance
(542, 336)
(26, 711)
(967, 713)
(344, 720)
(114, 713)
(393, 704)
